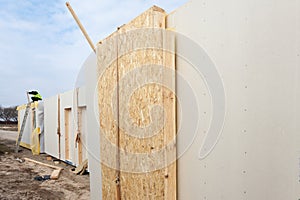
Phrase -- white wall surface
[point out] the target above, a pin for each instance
(93, 128)
(51, 125)
(81, 96)
(255, 47)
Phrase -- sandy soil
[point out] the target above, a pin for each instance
(17, 178)
(9, 127)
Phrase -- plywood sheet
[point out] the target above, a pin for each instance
(137, 111)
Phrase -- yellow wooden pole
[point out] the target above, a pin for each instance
(80, 26)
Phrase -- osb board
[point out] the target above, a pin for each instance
(138, 145)
(151, 18)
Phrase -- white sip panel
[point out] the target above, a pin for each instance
(254, 45)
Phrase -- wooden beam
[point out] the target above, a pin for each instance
(58, 126)
(79, 128)
(55, 174)
(67, 112)
(80, 26)
(43, 164)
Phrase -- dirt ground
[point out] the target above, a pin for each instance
(9, 127)
(17, 178)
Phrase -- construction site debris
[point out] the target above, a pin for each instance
(42, 178)
(40, 163)
(19, 160)
(17, 179)
(55, 174)
(81, 168)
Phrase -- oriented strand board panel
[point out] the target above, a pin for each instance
(255, 46)
(137, 110)
(51, 126)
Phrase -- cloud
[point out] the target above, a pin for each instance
(42, 48)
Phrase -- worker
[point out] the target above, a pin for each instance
(35, 96)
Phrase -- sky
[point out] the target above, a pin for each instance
(42, 48)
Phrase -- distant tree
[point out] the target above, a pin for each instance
(8, 114)
(13, 113)
(1, 113)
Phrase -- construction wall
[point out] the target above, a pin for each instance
(93, 137)
(133, 137)
(52, 128)
(31, 138)
(254, 45)
(250, 47)
(66, 126)
(80, 125)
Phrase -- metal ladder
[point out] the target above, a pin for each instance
(22, 127)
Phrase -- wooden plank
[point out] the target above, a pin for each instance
(58, 127)
(55, 174)
(49, 158)
(169, 104)
(67, 112)
(80, 151)
(80, 132)
(79, 128)
(43, 164)
(84, 133)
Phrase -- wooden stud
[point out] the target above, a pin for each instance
(79, 118)
(79, 130)
(67, 133)
(58, 127)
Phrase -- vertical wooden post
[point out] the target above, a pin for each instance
(58, 127)
(79, 133)
(67, 133)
